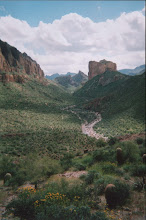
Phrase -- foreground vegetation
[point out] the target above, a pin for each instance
(83, 198)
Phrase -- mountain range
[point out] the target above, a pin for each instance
(55, 75)
(132, 72)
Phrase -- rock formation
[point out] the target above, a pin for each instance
(97, 68)
(13, 61)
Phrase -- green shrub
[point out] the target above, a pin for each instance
(131, 152)
(100, 143)
(139, 141)
(79, 166)
(66, 161)
(109, 168)
(138, 170)
(112, 141)
(104, 155)
(92, 174)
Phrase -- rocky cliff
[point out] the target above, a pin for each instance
(14, 64)
(97, 68)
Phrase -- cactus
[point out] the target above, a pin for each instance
(110, 195)
(7, 177)
(144, 158)
(119, 156)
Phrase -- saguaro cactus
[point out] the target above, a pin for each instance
(119, 156)
(7, 177)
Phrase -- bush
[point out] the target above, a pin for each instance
(109, 167)
(112, 141)
(66, 161)
(104, 155)
(100, 143)
(138, 170)
(131, 152)
(92, 174)
(139, 141)
(79, 166)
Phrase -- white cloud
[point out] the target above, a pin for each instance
(98, 7)
(70, 43)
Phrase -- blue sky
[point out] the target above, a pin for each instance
(35, 11)
(63, 36)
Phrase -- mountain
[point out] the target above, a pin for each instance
(72, 83)
(52, 77)
(55, 75)
(70, 74)
(16, 66)
(80, 78)
(131, 72)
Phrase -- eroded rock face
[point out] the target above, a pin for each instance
(97, 68)
(13, 61)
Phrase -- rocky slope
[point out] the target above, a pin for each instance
(15, 66)
(97, 68)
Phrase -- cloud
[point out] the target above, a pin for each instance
(68, 44)
(98, 7)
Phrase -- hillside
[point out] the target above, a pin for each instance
(114, 95)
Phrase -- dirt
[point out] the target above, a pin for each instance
(88, 128)
(130, 137)
(76, 174)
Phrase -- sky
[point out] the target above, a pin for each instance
(63, 36)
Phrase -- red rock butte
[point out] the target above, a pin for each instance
(13, 61)
(97, 68)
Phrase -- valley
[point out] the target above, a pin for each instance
(61, 150)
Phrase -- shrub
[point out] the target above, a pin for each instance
(66, 161)
(79, 166)
(109, 167)
(100, 143)
(131, 152)
(104, 155)
(92, 174)
(139, 141)
(138, 170)
(112, 141)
